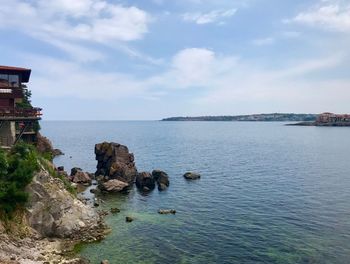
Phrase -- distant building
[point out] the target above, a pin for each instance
(330, 118)
(17, 119)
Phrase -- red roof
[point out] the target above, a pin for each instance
(10, 68)
(25, 73)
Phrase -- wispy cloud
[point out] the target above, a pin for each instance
(334, 17)
(215, 16)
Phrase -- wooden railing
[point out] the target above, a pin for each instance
(20, 112)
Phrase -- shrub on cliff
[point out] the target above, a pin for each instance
(17, 169)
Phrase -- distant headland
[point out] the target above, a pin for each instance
(277, 117)
(327, 119)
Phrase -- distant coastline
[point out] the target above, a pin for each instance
(272, 117)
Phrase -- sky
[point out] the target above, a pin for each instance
(151, 59)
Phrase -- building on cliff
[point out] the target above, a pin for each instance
(18, 119)
(330, 118)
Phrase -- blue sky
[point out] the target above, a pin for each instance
(140, 60)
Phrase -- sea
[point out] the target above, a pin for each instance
(269, 193)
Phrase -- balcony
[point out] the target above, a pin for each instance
(13, 114)
(8, 92)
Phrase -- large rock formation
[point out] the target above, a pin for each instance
(115, 162)
(54, 212)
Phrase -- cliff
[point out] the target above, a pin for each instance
(52, 221)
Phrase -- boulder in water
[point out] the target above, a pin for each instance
(145, 181)
(81, 177)
(192, 176)
(161, 178)
(113, 186)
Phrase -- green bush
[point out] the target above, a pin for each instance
(16, 171)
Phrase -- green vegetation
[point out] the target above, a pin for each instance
(17, 169)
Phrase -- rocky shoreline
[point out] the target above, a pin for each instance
(56, 219)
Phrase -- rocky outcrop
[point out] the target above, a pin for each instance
(113, 186)
(54, 212)
(162, 179)
(192, 176)
(115, 162)
(44, 145)
(145, 181)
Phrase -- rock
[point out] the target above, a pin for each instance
(192, 176)
(162, 187)
(162, 179)
(57, 152)
(60, 168)
(115, 162)
(115, 210)
(129, 219)
(81, 177)
(113, 186)
(53, 212)
(171, 211)
(104, 262)
(96, 202)
(145, 180)
(74, 170)
(44, 146)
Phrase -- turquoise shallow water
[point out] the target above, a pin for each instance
(269, 193)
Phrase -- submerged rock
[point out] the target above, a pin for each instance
(145, 181)
(192, 176)
(170, 211)
(129, 219)
(162, 179)
(115, 210)
(113, 186)
(115, 162)
(104, 262)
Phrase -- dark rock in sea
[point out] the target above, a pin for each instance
(192, 176)
(129, 219)
(162, 187)
(161, 178)
(115, 162)
(96, 202)
(82, 177)
(113, 186)
(115, 210)
(145, 181)
(57, 152)
(44, 146)
(171, 211)
(74, 170)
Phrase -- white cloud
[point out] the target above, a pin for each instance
(210, 17)
(70, 25)
(334, 17)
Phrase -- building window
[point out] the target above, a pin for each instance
(14, 80)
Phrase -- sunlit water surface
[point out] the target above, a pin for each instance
(269, 193)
